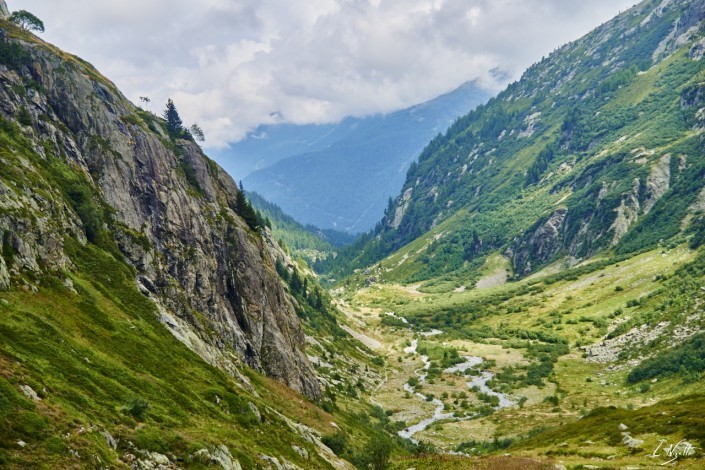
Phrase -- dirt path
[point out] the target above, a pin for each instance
(364, 339)
(413, 289)
(497, 278)
(359, 326)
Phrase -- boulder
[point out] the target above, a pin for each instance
(29, 392)
(631, 442)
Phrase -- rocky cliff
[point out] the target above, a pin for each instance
(80, 163)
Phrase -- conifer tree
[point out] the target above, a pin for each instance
(282, 270)
(296, 284)
(197, 133)
(244, 209)
(173, 121)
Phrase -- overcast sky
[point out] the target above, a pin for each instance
(233, 64)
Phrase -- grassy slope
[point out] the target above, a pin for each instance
(99, 355)
(539, 201)
(91, 354)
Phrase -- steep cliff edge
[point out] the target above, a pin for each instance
(85, 165)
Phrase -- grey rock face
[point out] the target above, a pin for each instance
(4, 12)
(697, 51)
(694, 15)
(579, 235)
(109, 439)
(174, 217)
(541, 243)
(221, 456)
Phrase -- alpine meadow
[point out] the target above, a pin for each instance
(532, 297)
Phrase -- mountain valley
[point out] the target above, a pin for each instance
(531, 299)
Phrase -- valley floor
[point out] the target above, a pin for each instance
(525, 369)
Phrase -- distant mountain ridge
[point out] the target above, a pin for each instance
(341, 176)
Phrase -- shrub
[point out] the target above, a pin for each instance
(12, 54)
(551, 400)
(87, 209)
(491, 400)
(684, 359)
(336, 442)
(375, 455)
(23, 116)
(137, 407)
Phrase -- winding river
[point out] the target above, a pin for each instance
(478, 381)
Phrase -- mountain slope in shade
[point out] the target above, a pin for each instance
(346, 184)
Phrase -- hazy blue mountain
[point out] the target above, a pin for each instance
(270, 143)
(341, 176)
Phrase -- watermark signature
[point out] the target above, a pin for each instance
(673, 451)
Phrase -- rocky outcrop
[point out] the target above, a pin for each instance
(580, 235)
(697, 50)
(4, 12)
(658, 182)
(609, 350)
(541, 244)
(172, 212)
(220, 457)
(694, 15)
(627, 213)
(693, 100)
(683, 30)
(401, 208)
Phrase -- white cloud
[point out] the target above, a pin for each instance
(233, 64)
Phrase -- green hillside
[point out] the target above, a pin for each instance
(586, 355)
(597, 147)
